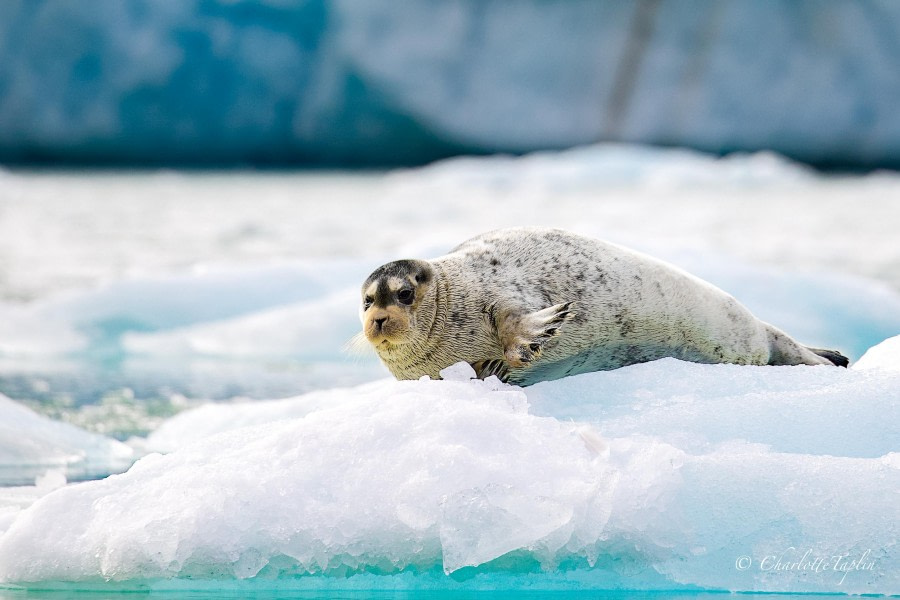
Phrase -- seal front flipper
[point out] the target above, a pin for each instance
(523, 335)
(496, 367)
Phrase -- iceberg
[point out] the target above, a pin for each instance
(667, 475)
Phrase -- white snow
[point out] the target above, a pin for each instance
(885, 355)
(664, 473)
(14, 500)
(213, 418)
(820, 411)
(693, 406)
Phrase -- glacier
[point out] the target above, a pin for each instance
(341, 82)
(667, 475)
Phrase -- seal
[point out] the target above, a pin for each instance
(535, 304)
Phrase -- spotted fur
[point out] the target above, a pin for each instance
(533, 304)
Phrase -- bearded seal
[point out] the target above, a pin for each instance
(535, 304)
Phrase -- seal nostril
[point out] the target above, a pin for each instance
(381, 322)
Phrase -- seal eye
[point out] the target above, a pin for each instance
(406, 296)
(367, 302)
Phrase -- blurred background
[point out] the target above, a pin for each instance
(381, 83)
(191, 191)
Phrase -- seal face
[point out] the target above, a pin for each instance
(533, 304)
(392, 296)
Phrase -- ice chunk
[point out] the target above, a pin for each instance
(482, 481)
(817, 410)
(368, 480)
(32, 445)
(792, 409)
(885, 355)
(461, 371)
(52, 479)
(210, 419)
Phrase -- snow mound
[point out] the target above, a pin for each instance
(642, 478)
(31, 445)
(213, 418)
(820, 410)
(885, 355)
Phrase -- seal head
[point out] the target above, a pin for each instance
(391, 298)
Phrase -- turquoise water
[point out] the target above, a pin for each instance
(399, 595)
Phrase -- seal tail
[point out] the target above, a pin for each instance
(838, 359)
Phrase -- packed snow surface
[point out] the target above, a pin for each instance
(665, 474)
(884, 356)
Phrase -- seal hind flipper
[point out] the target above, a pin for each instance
(523, 335)
(784, 350)
(834, 356)
(496, 367)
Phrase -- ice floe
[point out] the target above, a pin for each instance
(667, 473)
